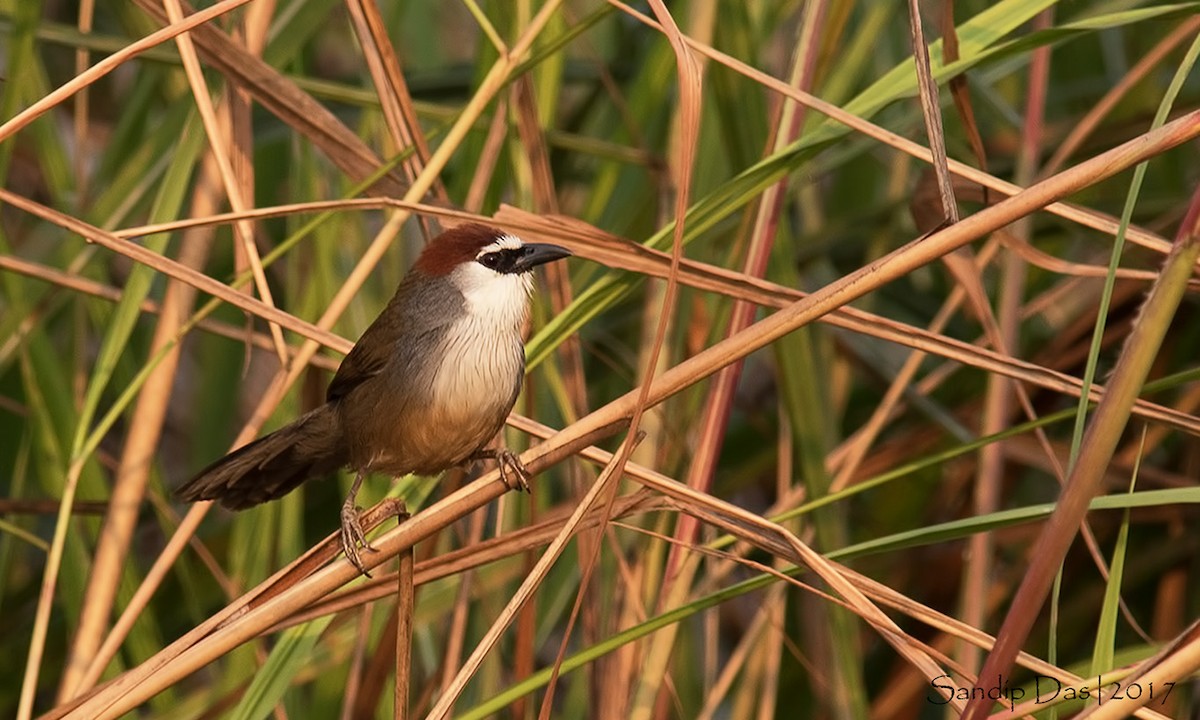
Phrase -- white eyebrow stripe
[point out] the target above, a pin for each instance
(504, 242)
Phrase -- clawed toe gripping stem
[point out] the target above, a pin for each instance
(512, 471)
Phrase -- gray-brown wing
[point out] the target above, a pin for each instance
(420, 307)
(368, 356)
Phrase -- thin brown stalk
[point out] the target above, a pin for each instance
(281, 96)
(405, 608)
(457, 633)
(762, 239)
(219, 145)
(80, 112)
(445, 703)
(1005, 333)
(129, 487)
(635, 257)
(485, 169)
(959, 87)
(135, 686)
(112, 62)
(678, 577)
(1086, 217)
(394, 98)
(374, 253)
(1085, 126)
(689, 79)
(1099, 443)
(1178, 660)
(931, 110)
(357, 655)
(493, 550)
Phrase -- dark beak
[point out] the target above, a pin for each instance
(534, 254)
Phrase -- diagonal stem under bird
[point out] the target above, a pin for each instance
(426, 387)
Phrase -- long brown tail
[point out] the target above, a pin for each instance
(273, 465)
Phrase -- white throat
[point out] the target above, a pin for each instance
(498, 301)
(482, 356)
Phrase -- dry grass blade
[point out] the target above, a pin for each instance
(607, 479)
(1178, 660)
(931, 109)
(405, 609)
(462, 561)
(782, 543)
(219, 146)
(172, 269)
(244, 620)
(342, 298)
(1101, 109)
(686, 128)
(112, 62)
(393, 93)
(282, 97)
(959, 88)
(587, 242)
(620, 255)
(1100, 440)
(130, 486)
(1083, 216)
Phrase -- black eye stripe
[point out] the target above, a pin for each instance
(502, 261)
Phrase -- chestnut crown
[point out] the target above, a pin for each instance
(501, 252)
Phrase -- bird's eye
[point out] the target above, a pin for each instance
(490, 260)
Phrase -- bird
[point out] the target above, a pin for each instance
(426, 388)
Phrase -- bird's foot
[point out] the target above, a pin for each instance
(352, 535)
(512, 471)
(398, 508)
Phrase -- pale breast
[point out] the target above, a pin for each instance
(475, 386)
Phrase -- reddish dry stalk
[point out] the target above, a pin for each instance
(1096, 451)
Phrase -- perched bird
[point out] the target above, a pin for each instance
(425, 388)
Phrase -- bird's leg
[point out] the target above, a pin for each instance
(352, 529)
(512, 470)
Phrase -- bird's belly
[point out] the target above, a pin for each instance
(438, 441)
(463, 405)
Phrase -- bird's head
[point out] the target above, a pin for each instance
(477, 256)
(488, 266)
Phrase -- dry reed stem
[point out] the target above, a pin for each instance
(281, 96)
(1179, 659)
(952, 627)
(700, 275)
(171, 269)
(533, 580)
(1002, 327)
(1096, 450)
(747, 643)
(219, 140)
(457, 631)
(1081, 130)
(405, 609)
(241, 620)
(129, 487)
(678, 576)
(686, 132)
(112, 62)
(1083, 216)
(931, 110)
(354, 673)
